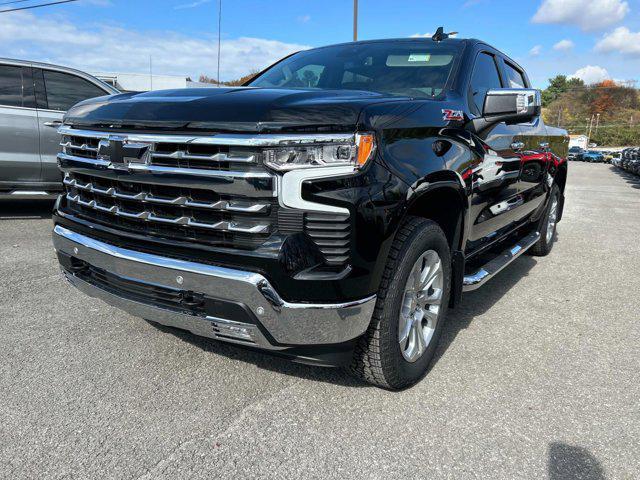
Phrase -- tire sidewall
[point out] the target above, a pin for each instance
(427, 237)
(555, 194)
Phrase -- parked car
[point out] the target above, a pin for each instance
(615, 158)
(330, 211)
(629, 160)
(33, 100)
(593, 156)
(634, 161)
(575, 153)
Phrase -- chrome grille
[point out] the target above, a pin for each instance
(184, 155)
(209, 189)
(80, 146)
(210, 193)
(194, 211)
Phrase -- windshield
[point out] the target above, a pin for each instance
(417, 69)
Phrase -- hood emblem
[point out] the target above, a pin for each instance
(452, 115)
(120, 152)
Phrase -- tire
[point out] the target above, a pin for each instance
(547, 237)
(379, 358)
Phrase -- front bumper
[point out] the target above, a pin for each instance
(269, 322)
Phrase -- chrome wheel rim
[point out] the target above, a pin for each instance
(420, 308)
(553, 217)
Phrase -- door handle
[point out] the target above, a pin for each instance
(54, 124)
(515, 146)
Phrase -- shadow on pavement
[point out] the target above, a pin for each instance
(630, 178)
(25, 209)
(570, 462)
(477, 303)
(265, 360)
(473, 304)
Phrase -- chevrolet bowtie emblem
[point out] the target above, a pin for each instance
(121, 152)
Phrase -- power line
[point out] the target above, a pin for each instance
(36, 6)
(15, 1)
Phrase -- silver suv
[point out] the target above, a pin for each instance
(33, 100)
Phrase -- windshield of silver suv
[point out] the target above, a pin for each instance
(416, 69)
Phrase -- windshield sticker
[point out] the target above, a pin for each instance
(419, 57)
(452, 115)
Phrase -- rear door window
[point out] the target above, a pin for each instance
(64, 90)
(16, 86)
(485, 77)
(514, 76)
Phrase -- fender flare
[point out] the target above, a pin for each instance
(436, 181)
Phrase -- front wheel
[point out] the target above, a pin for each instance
(399, 345)
(547, 225)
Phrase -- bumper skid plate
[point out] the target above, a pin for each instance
(280, 324)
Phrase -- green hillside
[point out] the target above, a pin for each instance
(611, 109)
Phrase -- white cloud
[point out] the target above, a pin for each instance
(535, 51)
(304, 18)
(195, 4)
(564, 45)
(621, 40)
(95, 47)
(587, 14)
(591, 74)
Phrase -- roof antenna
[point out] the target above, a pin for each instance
(440, 35)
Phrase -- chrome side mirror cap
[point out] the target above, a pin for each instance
(512, 105)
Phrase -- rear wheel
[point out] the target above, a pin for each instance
(547, 225)
(408, 319)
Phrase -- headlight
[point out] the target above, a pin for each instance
(356, 153)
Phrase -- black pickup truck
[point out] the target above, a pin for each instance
(331, 210)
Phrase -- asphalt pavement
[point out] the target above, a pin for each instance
(537, 375)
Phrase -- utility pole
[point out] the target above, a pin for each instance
(597, 123)
(219, 36)
(589, 134)
(559, 115)
(355, 20)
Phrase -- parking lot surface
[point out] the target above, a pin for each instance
(537, 375)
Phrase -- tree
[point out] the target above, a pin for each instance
(571, 105)
(231, 83)
(559, 85)
(602, 97)
(206, 79)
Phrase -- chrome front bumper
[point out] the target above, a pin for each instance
(279, 324)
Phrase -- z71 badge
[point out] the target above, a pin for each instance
(452, 115)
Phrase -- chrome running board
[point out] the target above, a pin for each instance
(491, 268)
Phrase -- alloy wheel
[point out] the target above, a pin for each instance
(421, 304)
(553, 217)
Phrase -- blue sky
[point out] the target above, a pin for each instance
(593, 39)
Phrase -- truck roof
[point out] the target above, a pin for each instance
(402, 40)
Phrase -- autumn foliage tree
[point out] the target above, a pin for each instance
(609, 110)
(602, 97)
(232, 83)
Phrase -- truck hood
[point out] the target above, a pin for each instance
(242, 109)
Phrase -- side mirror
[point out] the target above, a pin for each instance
(512, 105)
